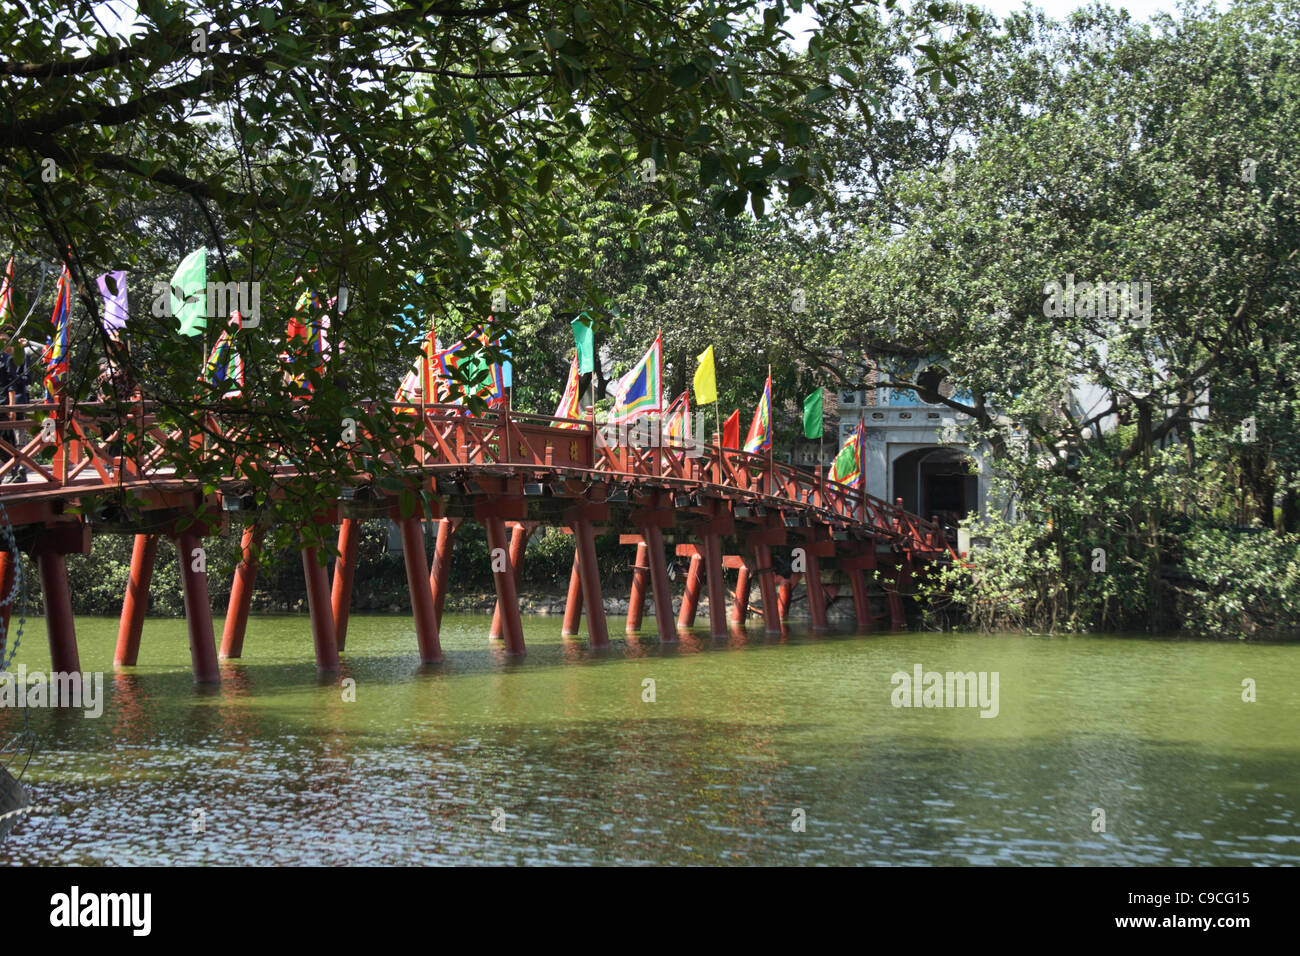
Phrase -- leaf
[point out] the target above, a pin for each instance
(468, 130)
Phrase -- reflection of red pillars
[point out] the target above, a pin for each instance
(136, 600)
(785, 593)
(767, 587)
(691, 598)
(861, 599)
(518, 541)
(816, 594)
(740, 609)
(58, 613)
(573, 607)
(241, 593)
(344, 570)
(662, 591)
(423, 609)
(318, 607)
(717, 585)
(507, 597)
(198, 611)
(8, 560)
(441, 571)
(597, 631)
(636, 601)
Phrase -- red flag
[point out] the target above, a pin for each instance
(731, 430)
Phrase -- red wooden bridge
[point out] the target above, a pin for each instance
(512, 473)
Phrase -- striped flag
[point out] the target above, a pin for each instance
(312, 330)
(56, 352)
(421, 376)
(224, 366)
(569, 407)
(677, 420)
(7, 294)
(641, 391)
(847, 469)
(760, 429)
(485, 375)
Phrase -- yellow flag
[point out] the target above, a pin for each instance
(706, 382)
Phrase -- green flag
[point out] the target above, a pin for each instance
(812, 415)
(191, 281)
(586, 342)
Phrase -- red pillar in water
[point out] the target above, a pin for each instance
(816, 594)
(717, 585)
(423, 608)
(318, 607)
(144, 552)
(58, 613)
(597, 631)
(507, 597)
(660, 589)
(198, 611)
(786, 592)
(241, 593)
(767, 587)
(440, 573)
(691, 597)
(344, 570)
(740, 610)
(573, 606)
(8, 570)
(636, 601)
(518, 542)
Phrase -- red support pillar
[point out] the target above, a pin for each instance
(318, 607)
(423, 607)
(344, 570)
(507, 596)
(441, 571)
(636, 600)
(659, 586)
(597, 631)
(717, 585)
(519, 536)
(198, 611)
(573, 607)
(135, 603)
(816, 594)
(861, 599)
(785, 593)
(59, 625)
(241, 593)
(8, 570)
(740, 610)
(767, 587)
(691, 599)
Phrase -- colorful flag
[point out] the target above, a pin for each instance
(421, 376)
(114, 318)
(585, 339)
(310, 323)
(812, 415)
(56, 349)
(641, 391)
(760, 429)
(7, 294)
(731, 430)
(706, 379)
(189, 296)
(479, 371)
(224, 366)
(847, 469)
(677, 420)
(570, 402)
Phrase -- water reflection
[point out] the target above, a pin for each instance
(742, 733)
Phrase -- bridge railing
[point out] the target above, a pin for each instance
(61, 443)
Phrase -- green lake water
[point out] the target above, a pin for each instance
(745, 737)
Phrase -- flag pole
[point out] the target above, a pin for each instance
(821, 456)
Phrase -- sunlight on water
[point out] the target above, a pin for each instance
(742, 733)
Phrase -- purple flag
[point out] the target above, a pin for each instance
(114, 302)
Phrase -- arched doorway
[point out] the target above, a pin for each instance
(937, 481)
